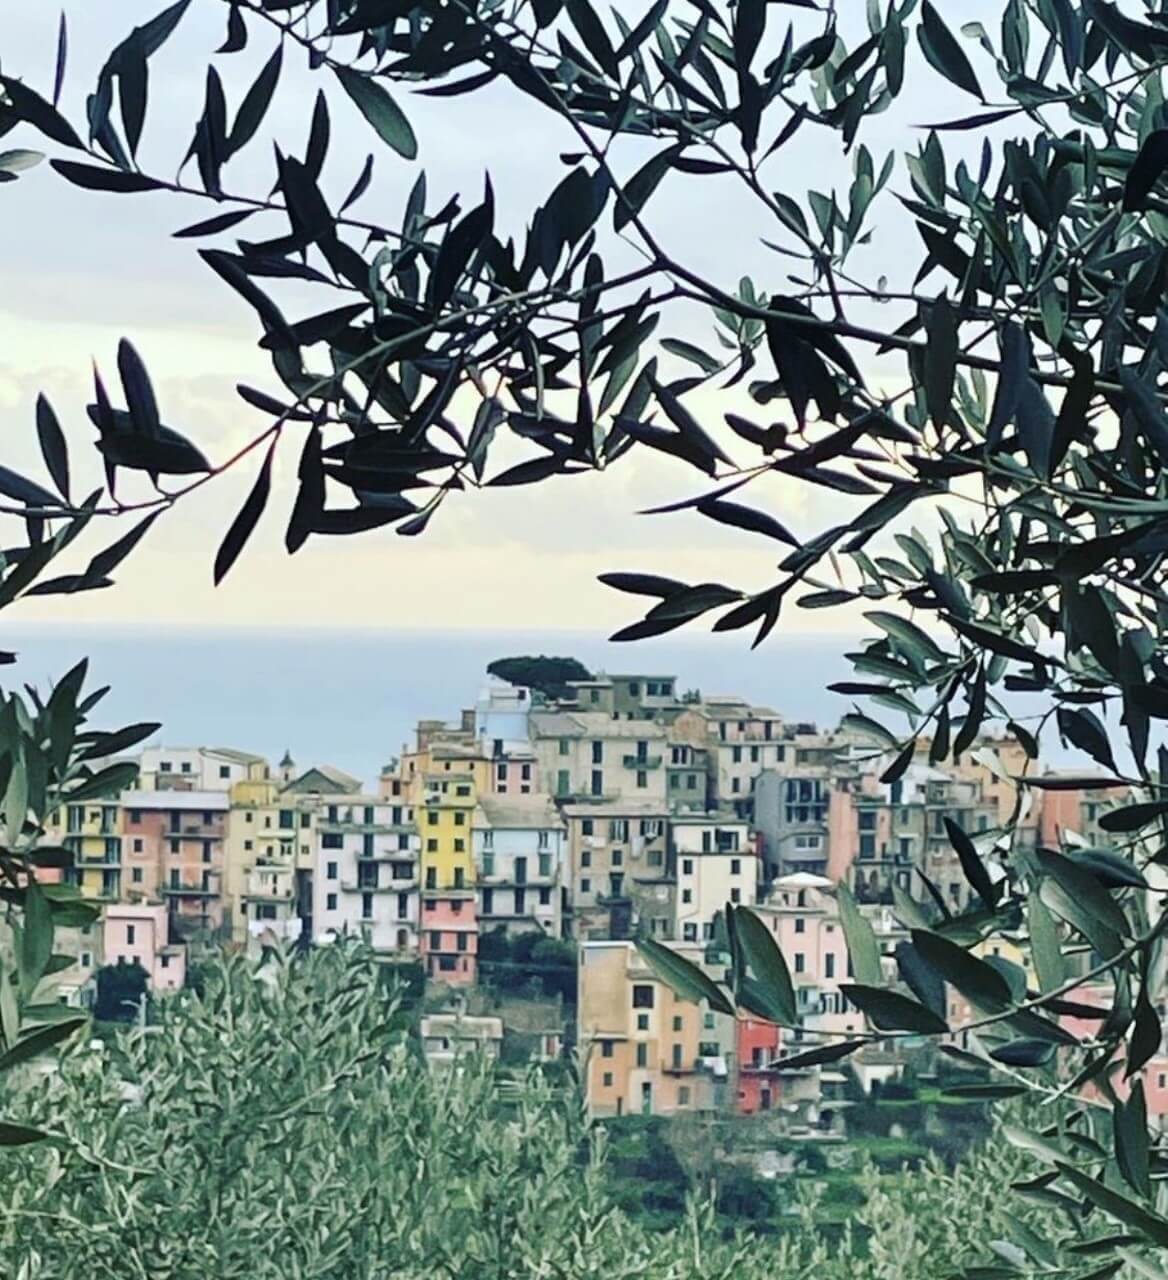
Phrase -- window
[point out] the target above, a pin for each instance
(708, 1022)
(735, 895)
(435, 940)
(642, 778)
(563, 782)
(735, 784)
(687, 866)
(800, 926)
(136, 875)
(431, 877)
(431, 817)
(735, 866)
(130, 932)
(287, 819)
(174, 846)
(174, 880)
(186, 766)
(461, 939)
(754, 755)
(618, 858)
(137, 846)
(135, 815)
(431, 846)
(598, 753)
(607, 1079)
(585, 885)
(736, 755)
(330, 871)
(683, 1096)
(459, 878)
(460, 846)
(224, 771)
(525, 773)
(164, 766)
(488, 902)
(677, 1022)
(597, 787)
(448, 963)
(642, 995)
(867, 846)
(87, 960)
(305, 819)
(642, 1055)
(565, 746)
(642, 1022)
(332, 840)
(606, 1048)
(206, 851)
(800, 962)
(545, 897)
(687, 896)
(676, 1059)
(488, 863)
(586, 827)
(460, 819)
(829, 965)
(689, 933)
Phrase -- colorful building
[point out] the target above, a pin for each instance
(520, 853)
(449, 925)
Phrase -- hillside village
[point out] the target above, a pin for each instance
(524, 846)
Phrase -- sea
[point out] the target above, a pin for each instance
(351, 698)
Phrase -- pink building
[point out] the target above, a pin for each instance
(140, 931)
(513, 775)
(449, 937)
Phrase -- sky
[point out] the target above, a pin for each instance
(82, 270)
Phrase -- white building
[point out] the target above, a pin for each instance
(500, 717)
(716, 863)
(270, 905)
(520, 851)
(197, 768)
(447, 1037)
(365, 879)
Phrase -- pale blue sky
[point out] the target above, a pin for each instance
(82, 270)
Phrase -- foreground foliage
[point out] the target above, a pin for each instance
(1023, 425)
(282, 1125)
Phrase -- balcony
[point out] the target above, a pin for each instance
(642, 762)
(391, 886)
(189, 891)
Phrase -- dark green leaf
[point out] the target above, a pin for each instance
(642, 584)
(863, 949)
(593, 35)
(1130, 1130)
(255, 104)
(890, 1011)
(766, 961)
(816, 1057)
(94, 178)
(1120, 1207)
(380, 110)
(740, 517)
(31, 107)
(633, 196)
(33, 1045)
(944, 53)
(53, 447)
(105, 783)
(36, 943)
(19, 1135)
(246, 518)
(1133, 817)
(972, 866)
(978, 981)
(1146, 169)
(683, 976)
(940, 357)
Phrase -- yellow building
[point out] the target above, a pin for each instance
(438, 759)
(647, 1050)
(449, 919)
(92, 830)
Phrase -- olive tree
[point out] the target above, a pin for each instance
(1024, 430)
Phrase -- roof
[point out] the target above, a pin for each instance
(464, 1026)
(201, 800)
(802, 880)
(555, 724)
(719, 818)
(535, 811)
(617, 809)
(337, 780)
(456, 750)
(240, 757)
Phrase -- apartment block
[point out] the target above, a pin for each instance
(139, 932)
(197, 768)
(717, 862)
(173, 848)
(591, 755)
(92, 831)
(646, 1050)
(520, 854)
(617, 852)
(366, 878)
(449, 924)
